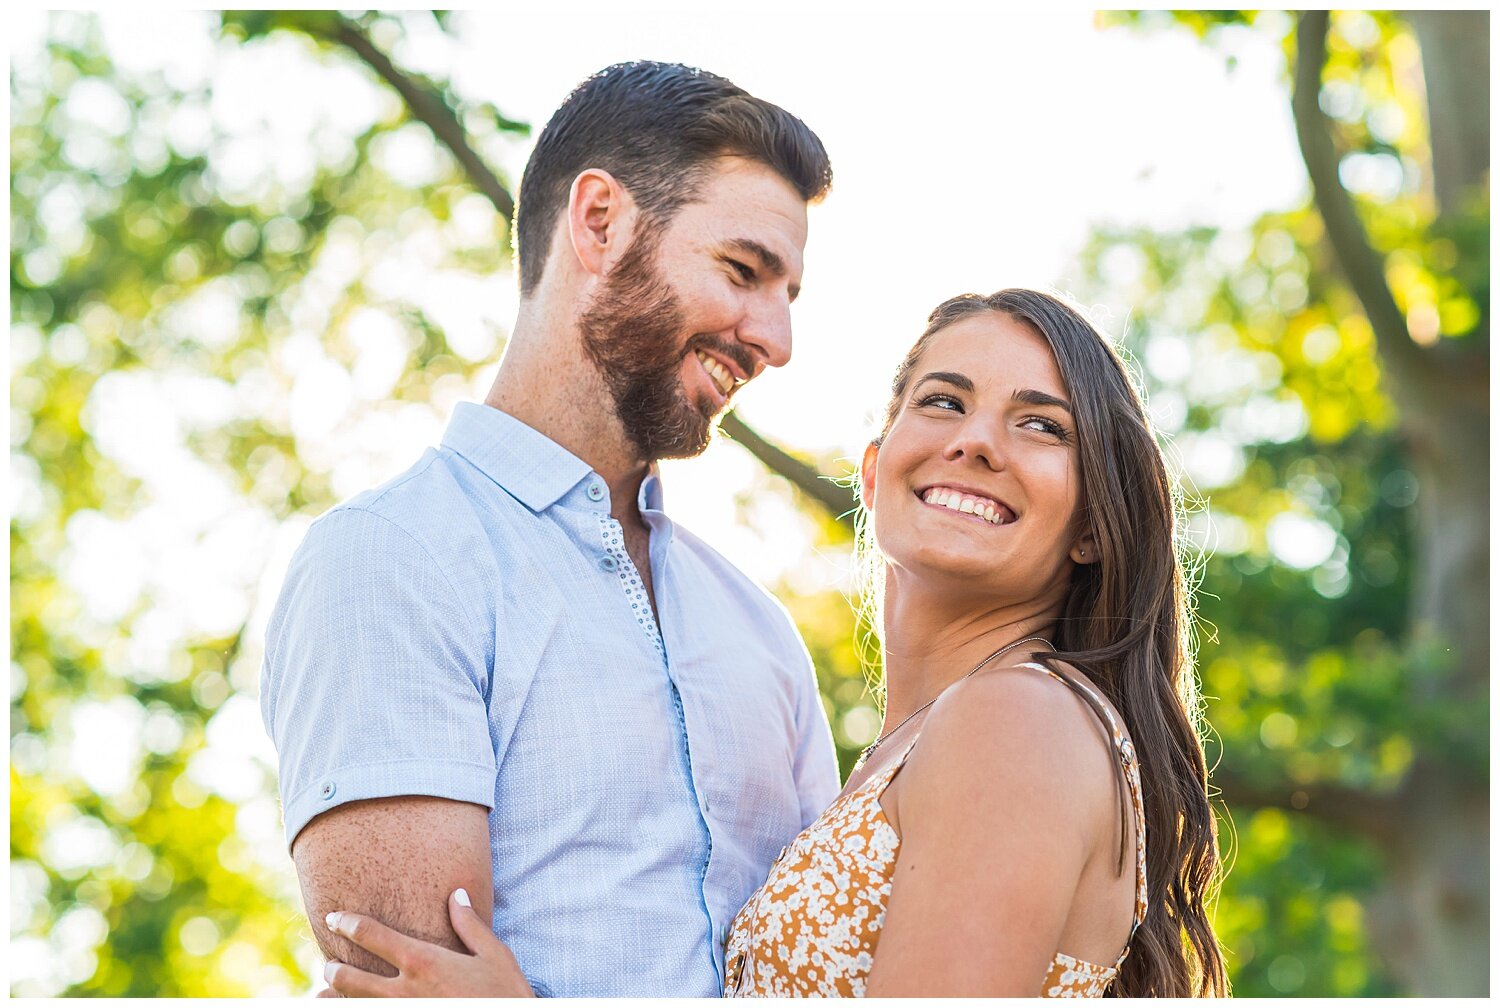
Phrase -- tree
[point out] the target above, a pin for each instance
(1402, 277)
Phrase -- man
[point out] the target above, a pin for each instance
(507, 669)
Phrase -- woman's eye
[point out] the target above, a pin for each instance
(1046, 426)
(941, 401)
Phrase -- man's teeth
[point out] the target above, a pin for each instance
(990, 511)
(718, 372)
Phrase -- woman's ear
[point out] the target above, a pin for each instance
(867, 475)
(1085, 550)
(599, 220)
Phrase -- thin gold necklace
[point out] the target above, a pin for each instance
(871, 747)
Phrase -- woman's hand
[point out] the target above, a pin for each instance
(425, 969)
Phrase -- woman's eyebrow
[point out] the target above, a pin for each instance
(1031, 397)
(1034, 397)
(951, 377)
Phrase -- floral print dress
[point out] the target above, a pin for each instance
(813, 927)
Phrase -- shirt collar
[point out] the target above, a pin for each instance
(650, 498)
(525, 463)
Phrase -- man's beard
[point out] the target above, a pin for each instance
(632, 331)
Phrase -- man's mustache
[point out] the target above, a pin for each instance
(733, 351)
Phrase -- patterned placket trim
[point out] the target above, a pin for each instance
(630, 580)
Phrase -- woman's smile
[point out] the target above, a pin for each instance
(968, 504)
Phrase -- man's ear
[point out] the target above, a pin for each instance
(867, 475)
(1084, 550)
(600, 217)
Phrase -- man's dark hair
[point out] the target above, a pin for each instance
(656, 127)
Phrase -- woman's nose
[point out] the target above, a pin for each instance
(979, 440)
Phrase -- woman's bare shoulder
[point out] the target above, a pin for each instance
(1015, 728)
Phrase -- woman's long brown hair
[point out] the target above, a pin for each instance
(1126, 623)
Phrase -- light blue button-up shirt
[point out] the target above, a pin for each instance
(475, 630)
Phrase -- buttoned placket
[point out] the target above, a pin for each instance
(617, 560)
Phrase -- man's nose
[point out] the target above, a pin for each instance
(768, 330)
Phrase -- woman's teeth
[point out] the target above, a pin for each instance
(991, 511)
(718, 372)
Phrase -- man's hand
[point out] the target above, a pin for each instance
(397, 859)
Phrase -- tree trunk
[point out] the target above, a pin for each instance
(1430, 923)
(1456, 67)
(1440, 863)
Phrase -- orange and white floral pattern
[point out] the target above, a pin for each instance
(811, 930)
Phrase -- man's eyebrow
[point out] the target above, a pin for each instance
(1036, 398)
(951, 377)
(769, 261)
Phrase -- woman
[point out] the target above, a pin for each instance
(1033, 817)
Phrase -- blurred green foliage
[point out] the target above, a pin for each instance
(123, 213)
(1261, 369)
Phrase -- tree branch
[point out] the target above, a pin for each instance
(1357, 259)
(1368, 812)
(835, 500)
(431, 110)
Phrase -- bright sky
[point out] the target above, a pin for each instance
(973, 149)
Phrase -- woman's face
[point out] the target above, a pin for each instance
(978, 478)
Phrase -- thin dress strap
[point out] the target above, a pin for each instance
(895, 768)
(1131, 768)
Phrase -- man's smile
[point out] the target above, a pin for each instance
(719, 373)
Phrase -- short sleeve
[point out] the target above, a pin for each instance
(376, 674)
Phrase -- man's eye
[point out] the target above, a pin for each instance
(746, 273)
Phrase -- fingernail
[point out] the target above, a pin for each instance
(329, 969)
(332, 920)
(462, 897)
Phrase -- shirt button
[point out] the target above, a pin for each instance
(595, 492)
(608, 563)
(327, 791)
